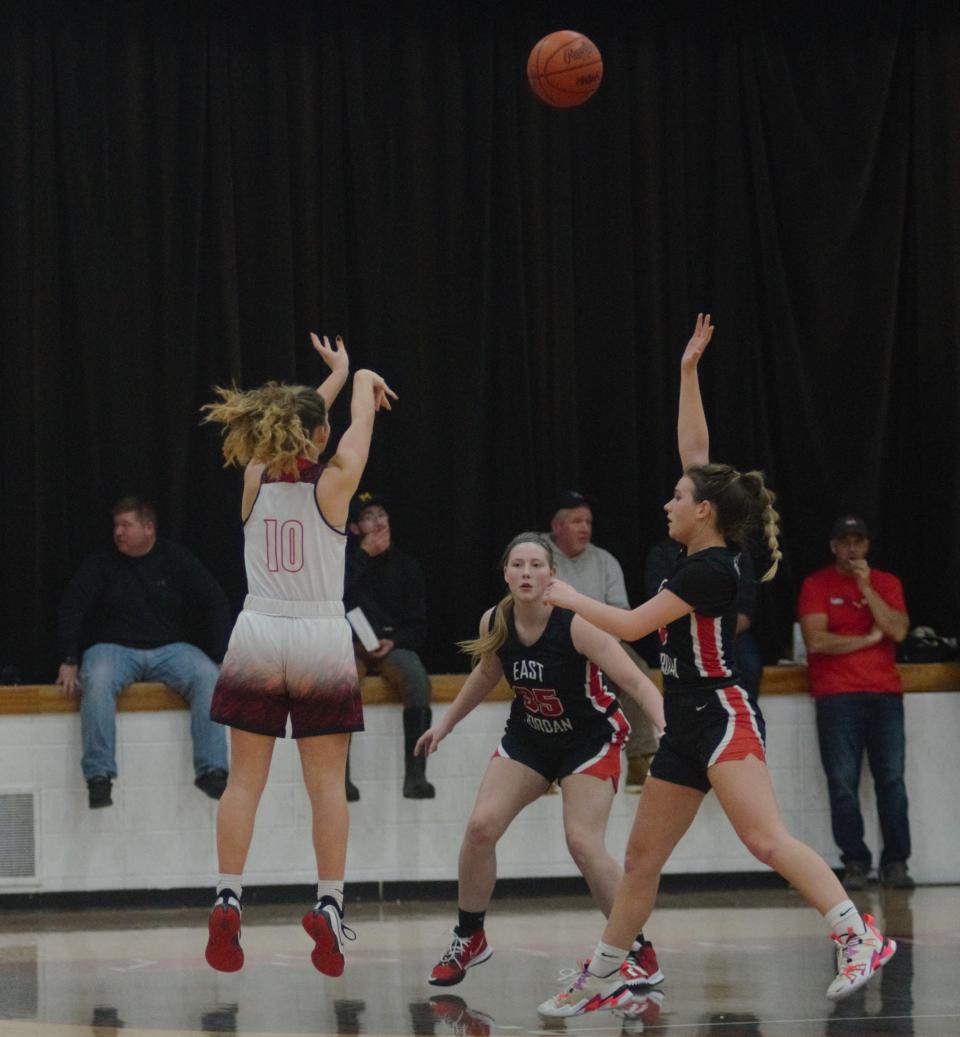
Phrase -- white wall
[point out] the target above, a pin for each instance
(159, 833)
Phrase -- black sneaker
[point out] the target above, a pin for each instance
(895, 876)
(213, 782)
(855, 874)
(98, 791)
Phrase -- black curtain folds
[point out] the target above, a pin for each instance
(187, 189)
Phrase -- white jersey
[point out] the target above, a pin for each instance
(292, 554)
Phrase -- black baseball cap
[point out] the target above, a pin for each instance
(849, 525)
(570, 499)
(366, 499)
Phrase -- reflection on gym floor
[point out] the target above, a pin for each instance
(737, 963)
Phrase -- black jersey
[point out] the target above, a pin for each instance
(696, 651)
(559, 694)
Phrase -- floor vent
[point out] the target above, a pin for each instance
(17, 838)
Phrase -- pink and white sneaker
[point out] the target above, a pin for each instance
(858, 958)
(587, 993)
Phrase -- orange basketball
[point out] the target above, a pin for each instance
(564, 69)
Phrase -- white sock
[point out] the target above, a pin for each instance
(606, 960)
(234, 882)
(332, 888)
(843, 917)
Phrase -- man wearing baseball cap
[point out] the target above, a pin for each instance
(387, 585)
(852, 617)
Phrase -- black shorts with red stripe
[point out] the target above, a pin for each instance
(598, 757)
(704, 728)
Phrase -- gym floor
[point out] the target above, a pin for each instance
(736, 962)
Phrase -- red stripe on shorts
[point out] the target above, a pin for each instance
(742, 737)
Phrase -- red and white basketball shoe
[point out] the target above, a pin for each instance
(463, 953)
(224, 952)
(640, 969)
(324, 925)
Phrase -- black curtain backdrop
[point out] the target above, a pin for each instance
(188, 188)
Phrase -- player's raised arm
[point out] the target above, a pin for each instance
(693, 437)
(342, 476)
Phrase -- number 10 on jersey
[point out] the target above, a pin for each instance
(284, 545)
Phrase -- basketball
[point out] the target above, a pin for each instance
(564, 69)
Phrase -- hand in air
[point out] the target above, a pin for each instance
(560, 593)
(382, 394)
(699, 340)
(335, 357)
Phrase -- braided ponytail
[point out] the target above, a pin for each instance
(769, 519)
(742, 504)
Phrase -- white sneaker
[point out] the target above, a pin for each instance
(858, 957)
(587, 993)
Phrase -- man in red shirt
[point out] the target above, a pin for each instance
(851, 617)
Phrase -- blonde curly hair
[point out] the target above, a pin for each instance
(271, 425)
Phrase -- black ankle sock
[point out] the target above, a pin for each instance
(639, 939)
(329, 900)
(470, 922)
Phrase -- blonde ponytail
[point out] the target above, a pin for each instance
(494, 639)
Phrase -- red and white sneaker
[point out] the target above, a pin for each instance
(587, 993)
(640, 968)
(224, 952)
(639, 1011)
(465, 1021)
(462, 954)
(324, 925)
(858, 958)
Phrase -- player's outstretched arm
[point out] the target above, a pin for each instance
(624, 624)
(484, 677)
(693, 436)
(608, 654)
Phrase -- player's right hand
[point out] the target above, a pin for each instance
(428, 742)
(699, 341)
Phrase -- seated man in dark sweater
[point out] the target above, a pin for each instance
(124, 617)
(387, 585)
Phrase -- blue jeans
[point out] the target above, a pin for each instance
(847, 724)
(749, 662)
(106, 669)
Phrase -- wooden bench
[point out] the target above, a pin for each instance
(777, 680)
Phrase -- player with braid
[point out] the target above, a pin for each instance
(714, 736)
(291, 651)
